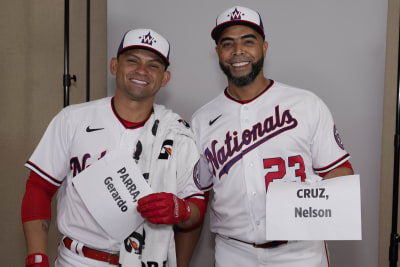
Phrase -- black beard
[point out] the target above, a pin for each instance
(244, 80)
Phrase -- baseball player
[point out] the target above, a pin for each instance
(256, 131)
(81, 134)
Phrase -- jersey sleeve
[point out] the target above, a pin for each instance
(327, 148)
(187, 169)
(50, 158)
(204, 176)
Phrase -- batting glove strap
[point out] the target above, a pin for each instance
(37, 260)
(164, 208)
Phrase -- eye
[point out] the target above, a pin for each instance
(155, 66)
(249, 42)
(226, 44)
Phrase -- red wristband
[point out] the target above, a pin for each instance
(37, 260)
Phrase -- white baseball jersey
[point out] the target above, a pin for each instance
(284, 133)
(80, 135)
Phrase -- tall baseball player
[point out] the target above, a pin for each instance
(256, 131)
(82, 134)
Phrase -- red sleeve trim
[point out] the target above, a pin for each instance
(36, 203)
(38, 170)
(345, 164)
(333, 165)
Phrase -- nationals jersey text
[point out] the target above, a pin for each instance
(233, 148)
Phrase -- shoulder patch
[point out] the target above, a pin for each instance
(337, 137)
(196, 175)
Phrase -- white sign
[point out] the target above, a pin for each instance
(326, 210)
(110, 189)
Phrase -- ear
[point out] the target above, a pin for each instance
(113, 65)
(166, 78)
(265, 47)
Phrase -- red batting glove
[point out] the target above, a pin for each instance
(164, 208)
(37, 260)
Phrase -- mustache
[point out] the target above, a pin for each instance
(236, 59)
(247, 79)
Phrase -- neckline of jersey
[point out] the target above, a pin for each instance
(242, 102)
(127, 124)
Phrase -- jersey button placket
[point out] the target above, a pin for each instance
(244, 114)
(249, 172)
(254, 179)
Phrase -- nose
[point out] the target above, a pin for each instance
(237, 49)
(141, 69)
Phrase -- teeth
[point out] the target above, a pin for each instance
(138, 81)
(239, 64)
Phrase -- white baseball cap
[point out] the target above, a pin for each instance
(145, 39)
(237, 15)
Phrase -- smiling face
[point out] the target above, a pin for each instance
(139, 74)
(241, 51)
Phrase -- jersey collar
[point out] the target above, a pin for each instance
(125, 123)
(250, 100)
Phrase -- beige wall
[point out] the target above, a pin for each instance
(389, 125)
(32, 65)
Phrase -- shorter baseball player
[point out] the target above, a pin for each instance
(256, 131)
(162, 145)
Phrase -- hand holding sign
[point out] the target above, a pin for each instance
(164, 208)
